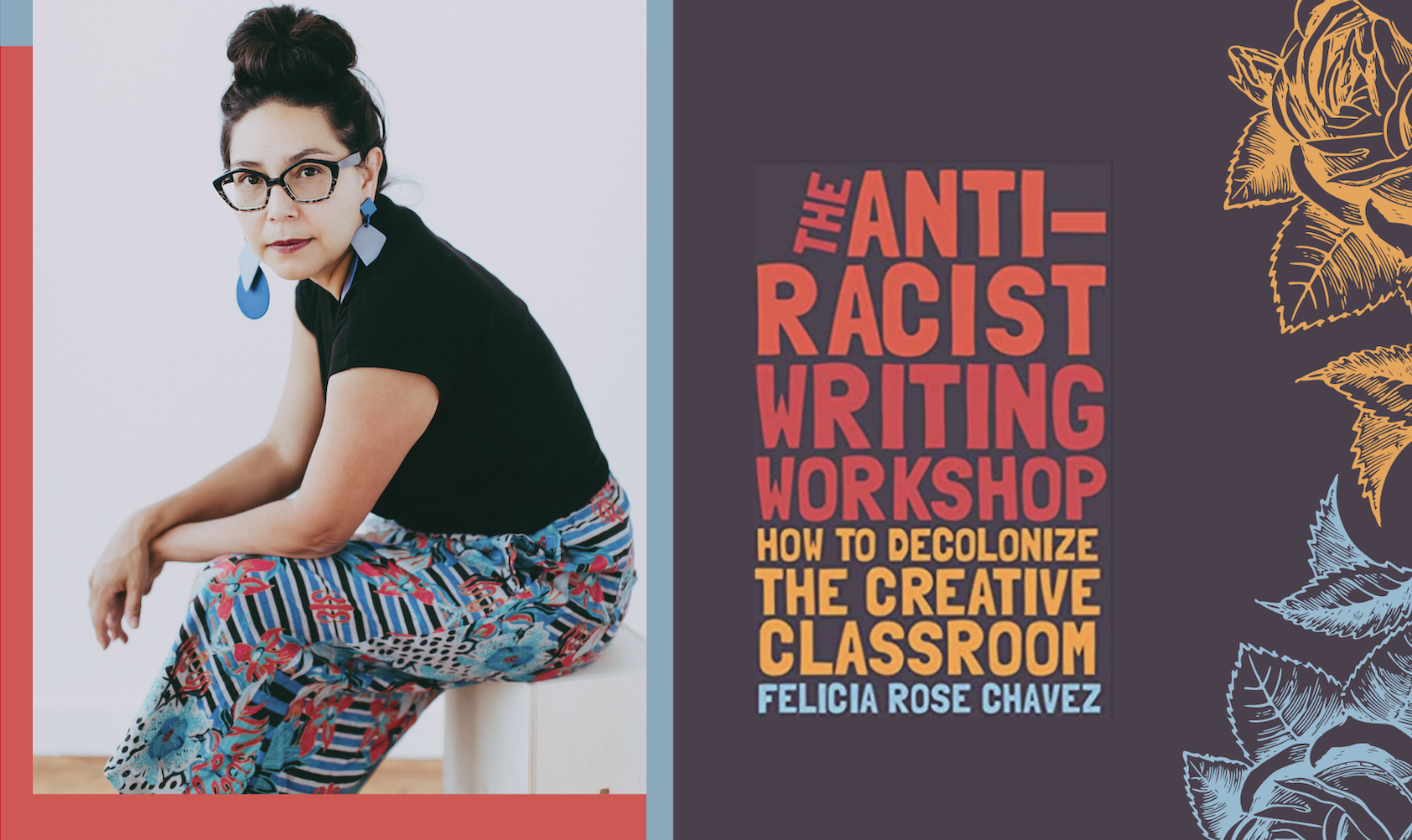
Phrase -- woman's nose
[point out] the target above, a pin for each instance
(281, 206)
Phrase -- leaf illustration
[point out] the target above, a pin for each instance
(1254, 73)
(1351, 603)
(1332, 548)
(1274, 701)
(1379, 382)
(1259, 172)
(242, 703)
(1394, 233)
(1381, 685)
(1323, 270)
(260, 783)
(1213, 789)
(282, 751)
(1376, 445)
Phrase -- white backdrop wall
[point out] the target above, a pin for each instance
(524, 128)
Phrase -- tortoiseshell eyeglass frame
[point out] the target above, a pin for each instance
(270, 183)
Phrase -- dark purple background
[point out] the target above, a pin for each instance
(1219, 457)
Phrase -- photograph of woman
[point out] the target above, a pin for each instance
(430, 507)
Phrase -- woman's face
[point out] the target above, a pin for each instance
(295, 239)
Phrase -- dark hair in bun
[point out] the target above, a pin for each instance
(299, 57)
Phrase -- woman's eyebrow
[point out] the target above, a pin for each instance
(302, 153)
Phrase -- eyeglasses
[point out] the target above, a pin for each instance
(306, 181)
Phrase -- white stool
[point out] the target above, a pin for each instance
(584, 733)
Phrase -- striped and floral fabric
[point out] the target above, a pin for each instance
(297, 676)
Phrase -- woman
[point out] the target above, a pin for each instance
(420, 389)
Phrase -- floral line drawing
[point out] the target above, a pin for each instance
(1321, 759)
(1379, 382)
(1334, 137)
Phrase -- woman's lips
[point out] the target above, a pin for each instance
(288, 246)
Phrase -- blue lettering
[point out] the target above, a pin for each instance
(804, 706)
(896, 698)
(958, 698)
(766, 694)
(1091, 706)
(919, 698)
(990, 698)
(941, 699)
(870, 699)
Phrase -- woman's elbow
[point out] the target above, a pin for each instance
(322, 533)
(329, 540)
(322, 547)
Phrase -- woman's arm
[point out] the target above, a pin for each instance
(268, 471)
(272, 469)
(374, 417)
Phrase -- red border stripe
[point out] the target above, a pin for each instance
(16, 463)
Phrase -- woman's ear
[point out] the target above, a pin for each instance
(371, 165)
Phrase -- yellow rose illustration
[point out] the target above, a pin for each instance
(1334, 136)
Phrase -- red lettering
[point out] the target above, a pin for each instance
(777, 313)
(1033, 467)
(934, 213)
(1091, 417)
(1032, 213)
(872, 218)
(894, 407)
(853, 315)
(1031, 333)
(1078, 489)
(963, 310)
(977, 406)
(821, 216)
(989, 487)
(898, 278)
(774, 495)
(988, 184)
(781, 415)
(1077, 280)
(934, 379)
(817, 189)
(862, 477)
(942, 480)
(832, 409)
(807, 470)
(803, 240)
(1015, 405)
(906, 488)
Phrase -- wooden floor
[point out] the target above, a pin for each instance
(84, 774)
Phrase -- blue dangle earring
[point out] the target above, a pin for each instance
(252, 290)
(368, 241)
(367, 244)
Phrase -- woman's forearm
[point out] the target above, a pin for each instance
(280, 528)
(253, 478)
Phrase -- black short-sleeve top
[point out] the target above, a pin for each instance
(510, 448)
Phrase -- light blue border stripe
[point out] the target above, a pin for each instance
(16, 23)
(659, 414)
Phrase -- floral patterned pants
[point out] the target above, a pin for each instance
(297, 676)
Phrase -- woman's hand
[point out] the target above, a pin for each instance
(119, 580)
